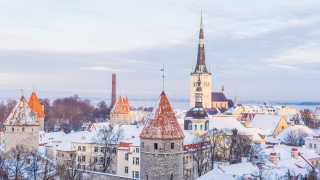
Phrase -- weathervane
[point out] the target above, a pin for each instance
(163, 77)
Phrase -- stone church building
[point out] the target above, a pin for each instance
(211, 99)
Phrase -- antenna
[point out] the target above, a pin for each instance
(22, 92)
(163, 76)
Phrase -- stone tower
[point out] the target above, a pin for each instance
(202, 71)
(21, 127)
(162, 145)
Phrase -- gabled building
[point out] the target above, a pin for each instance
(161, 142)
(21, 127)
(121, 113)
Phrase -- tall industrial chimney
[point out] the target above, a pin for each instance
(114, 90)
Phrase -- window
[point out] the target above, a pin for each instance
(136, 174)
(142, 144)
(126, 156)
(155, 146)
(172, 145)
(95, 160)
(79, 159)
(22, 129)
(195, 127)
(201, 127)
(96, 149)
(126, 169)
(137, 150)
(12, 129)
(83, 159)
(135, 161)
(310, 145)
(83, 148)
(79, 148)
(171, 177)
(315, 146)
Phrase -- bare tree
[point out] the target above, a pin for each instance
(256, 154)
(295, 137)
(69, 171)
(215, 138)
(239, 147)
(199, 155)
(17, 162)
(108, 138)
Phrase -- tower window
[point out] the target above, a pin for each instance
(172, 145)
(155, 146)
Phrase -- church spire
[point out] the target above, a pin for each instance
(201, 63)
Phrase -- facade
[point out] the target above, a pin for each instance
(161, 142)
(197, 119)
(282, 125)
(90, 156)
(128, 160)
(219, 101)
(121, 113)
(21, 128)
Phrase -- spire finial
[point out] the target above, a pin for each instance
(163, 76)
(201, 20)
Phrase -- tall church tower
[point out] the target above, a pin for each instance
(202, 71)
(162, 145)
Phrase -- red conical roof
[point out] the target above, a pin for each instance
(164, 124)
(35, 105)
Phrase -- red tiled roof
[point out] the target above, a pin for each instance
(121, 106)
(35, 105)
(164, 124)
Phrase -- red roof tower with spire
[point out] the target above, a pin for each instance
(164, 124)
(35, 105)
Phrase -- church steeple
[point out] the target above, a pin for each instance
(201, 62)
(198, 100)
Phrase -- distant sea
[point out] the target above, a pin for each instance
(184, 103)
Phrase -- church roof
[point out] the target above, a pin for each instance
(218, 97)
(22, 114)
(201, 60)
(122, 106)
(163, 124)
(197, 113)
(35, 105)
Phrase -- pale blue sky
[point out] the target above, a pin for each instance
(259, 50)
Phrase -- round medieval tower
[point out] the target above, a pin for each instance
(162, 145)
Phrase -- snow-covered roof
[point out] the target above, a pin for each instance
(285, 160)
(22, 114)
(266, 123)
(230, 172)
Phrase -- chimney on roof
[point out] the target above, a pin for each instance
(294, 153)
(114, 90)
(273, 158)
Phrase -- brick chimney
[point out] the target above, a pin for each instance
(114, 90)
(273, 158)
(294, 153)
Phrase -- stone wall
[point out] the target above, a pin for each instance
(26, 136)
(163, 163)
(88, 175)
